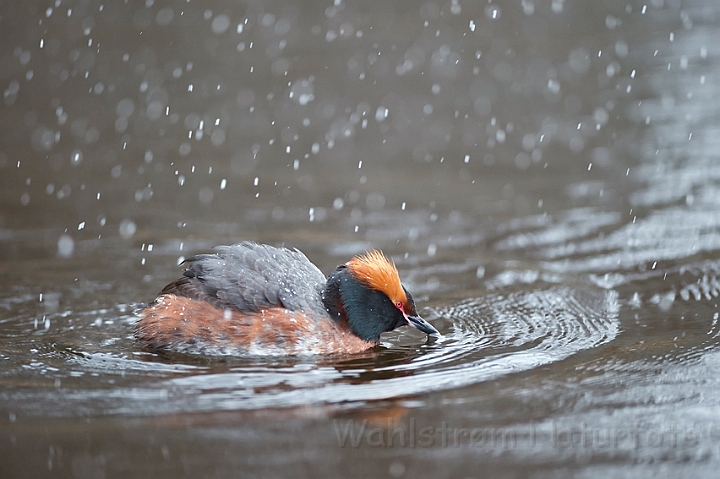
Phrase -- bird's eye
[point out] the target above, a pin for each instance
(399, 305)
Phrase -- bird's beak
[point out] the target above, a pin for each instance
(418, 323)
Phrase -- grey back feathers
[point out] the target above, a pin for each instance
(250, 277)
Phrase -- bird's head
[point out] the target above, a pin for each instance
(367, 292)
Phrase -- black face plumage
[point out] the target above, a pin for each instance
(369, 313)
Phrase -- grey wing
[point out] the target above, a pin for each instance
(251, 277)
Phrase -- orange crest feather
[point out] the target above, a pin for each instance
(375, 271)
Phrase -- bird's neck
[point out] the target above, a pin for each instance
(350, 304)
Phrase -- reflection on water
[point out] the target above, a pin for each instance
(544, 174)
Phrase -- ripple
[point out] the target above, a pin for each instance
(484, 338)
(488, 337)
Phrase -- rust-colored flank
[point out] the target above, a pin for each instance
(188, 325)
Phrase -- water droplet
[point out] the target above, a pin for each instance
(125, 108)
(528, 7)
(127, 228)
(76, 157)
(220, 24)
(381, 114)
(65, 246)
(492, 12)
(554, 86)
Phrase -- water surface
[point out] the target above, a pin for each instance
(544, 175)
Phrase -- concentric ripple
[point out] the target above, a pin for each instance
(484, 338)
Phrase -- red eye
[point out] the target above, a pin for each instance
(399, 305)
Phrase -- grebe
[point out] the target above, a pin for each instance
(250, 298)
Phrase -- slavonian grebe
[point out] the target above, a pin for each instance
(258, 299)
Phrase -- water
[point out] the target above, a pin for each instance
(544, 175)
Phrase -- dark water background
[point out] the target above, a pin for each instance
(544, 173)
